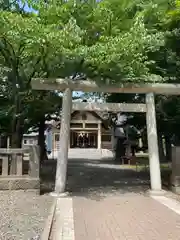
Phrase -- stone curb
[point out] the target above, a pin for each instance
(152, 193)
(48, 225)
(59, 195)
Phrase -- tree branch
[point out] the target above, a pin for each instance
(5, 53)
(8, 44)
(33, 72)
(11, 58)
(20, 51)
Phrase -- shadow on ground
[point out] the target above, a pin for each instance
(96, 178)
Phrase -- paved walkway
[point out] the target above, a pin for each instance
(128, 217)
(110, 203)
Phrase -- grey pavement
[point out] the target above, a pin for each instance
(110, 202)
(124, 217)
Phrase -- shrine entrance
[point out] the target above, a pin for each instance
(84, 139)
(68, 85)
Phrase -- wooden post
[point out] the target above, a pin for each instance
(13, 166)
(34, 159)
(175, 176)
(140, 144)
(8, 142)
(5, 159)
(155, 172)
(19, 164)
(62, 159)
(99, 135)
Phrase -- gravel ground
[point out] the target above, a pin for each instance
(23, 215)
(173, 196)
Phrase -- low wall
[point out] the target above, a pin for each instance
(19, 169)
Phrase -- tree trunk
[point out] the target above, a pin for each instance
(17, 134)
(168, 149)
(41, 139)
(17, 124)
(3, 141)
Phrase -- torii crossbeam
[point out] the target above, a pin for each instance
(92, 86)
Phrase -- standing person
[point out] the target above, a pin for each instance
(86, 140)
(120, 136)
(120, 149)
(132, 134)
(80, 140)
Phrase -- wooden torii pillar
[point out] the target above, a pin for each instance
(154, 162)
(67, 86)
(62, 158)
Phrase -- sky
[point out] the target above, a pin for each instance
(26, 8)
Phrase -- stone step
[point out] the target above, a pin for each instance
(85, 153)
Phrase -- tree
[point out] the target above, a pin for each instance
(64, 39)
(32, 47)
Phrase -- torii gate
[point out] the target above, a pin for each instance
(67, 86)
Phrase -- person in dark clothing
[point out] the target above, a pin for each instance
(80, 141)
(133, 135)
(120, 136)
(120, 150)
(133, 150)
(126, 136)
(86, 140)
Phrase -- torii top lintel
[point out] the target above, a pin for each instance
(92, 86)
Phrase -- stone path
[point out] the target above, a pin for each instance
(110, 203)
